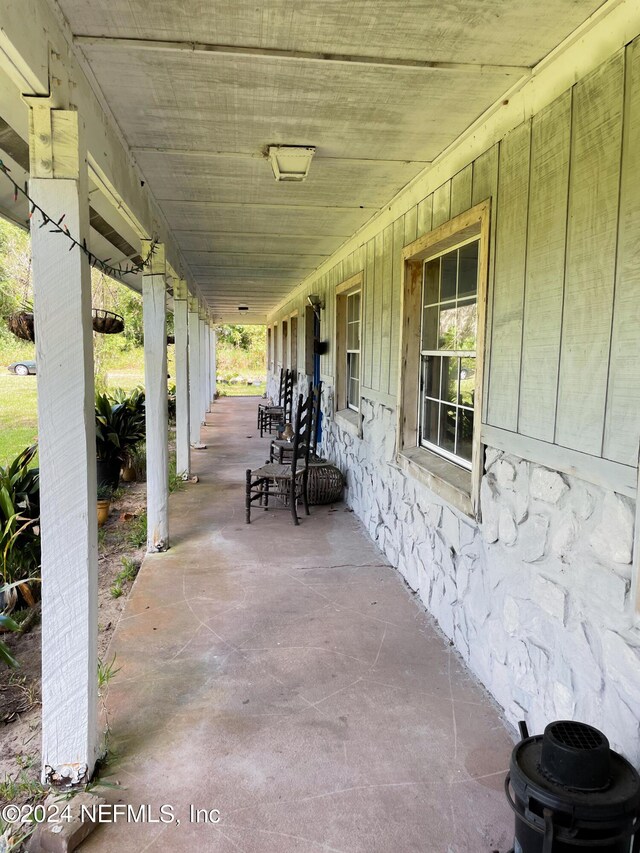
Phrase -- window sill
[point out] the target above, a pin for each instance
(349, 421)
(446, 479)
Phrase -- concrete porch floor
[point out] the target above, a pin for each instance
(287, 678)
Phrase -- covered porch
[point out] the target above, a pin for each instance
(289, 679)
(434, 209)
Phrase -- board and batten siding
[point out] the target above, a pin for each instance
(563, 300)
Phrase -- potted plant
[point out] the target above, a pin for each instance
(105, 493)
(19, 529)
(120, 424)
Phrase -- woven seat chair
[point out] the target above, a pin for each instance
(266, 405)
(287, 483)
(269, 416)
(281, 448)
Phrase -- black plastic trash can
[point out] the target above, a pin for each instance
(572, 792)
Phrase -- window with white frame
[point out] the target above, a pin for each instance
(448, 352)
(348, 362)
(353, 350)
(444, 287)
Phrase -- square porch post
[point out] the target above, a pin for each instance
(180, 317)
(203, 366)
(67, 447)
(154, 317)
(195, 393)
(214, 363)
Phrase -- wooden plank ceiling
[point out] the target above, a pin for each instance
(200, 89)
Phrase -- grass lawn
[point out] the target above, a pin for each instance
(18, 414)
(241, 390)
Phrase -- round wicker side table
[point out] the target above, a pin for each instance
(325, 484)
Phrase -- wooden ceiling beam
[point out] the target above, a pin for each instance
(296, 55)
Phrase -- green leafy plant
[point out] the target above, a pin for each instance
(127, 575)
(176, 481)
(105, 492)
(19, 517)
(119, 425)
(106, 671)
(8, 624)
(137, 533)
(129, 571)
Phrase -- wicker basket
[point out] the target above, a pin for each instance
(106, 322)
(21, 324)
(325, 484)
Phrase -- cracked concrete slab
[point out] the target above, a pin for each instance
(287, 678)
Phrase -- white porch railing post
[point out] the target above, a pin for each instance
(180, 322)
(195, 394)
(154, 314)
(67, 448)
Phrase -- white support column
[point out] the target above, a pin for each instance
(154, 314)
(180, 322)
(194, 374)
(210, 366)
(203, 366)
(207, 361)
(214, 363)
(67, 448)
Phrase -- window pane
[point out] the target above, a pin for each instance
(431, 281)
(430, 421)
(354, 394)
(354, 365)
(465, 434)
(447, 435)
(467, 381)
(430, 328)
(449, 390)
(431, 375)
(353, 336)
(466, 323)
(449, 270)
(468, 270)
(353, 307)
(447, 337)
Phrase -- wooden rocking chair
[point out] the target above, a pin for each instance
(270, 416)
(281, 449)
(285, 482)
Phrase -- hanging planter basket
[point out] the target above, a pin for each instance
(171, 339)
(106, 322)
(21, 324)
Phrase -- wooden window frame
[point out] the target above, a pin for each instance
(293, 345)
(441, 354)
(343, 290)
(284, 333)
(455, 484)
(276, 348)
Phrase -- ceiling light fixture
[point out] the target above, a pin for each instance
(291, 162)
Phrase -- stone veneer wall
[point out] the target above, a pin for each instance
(535, 598)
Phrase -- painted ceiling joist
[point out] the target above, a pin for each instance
(244, 155)
(297, 55)
(262, 205)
